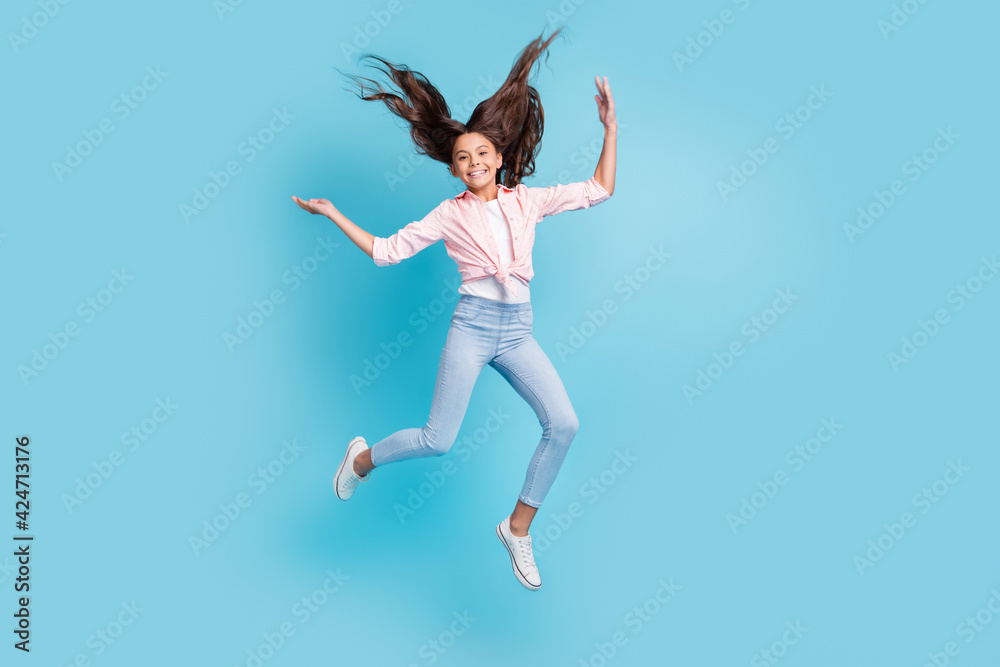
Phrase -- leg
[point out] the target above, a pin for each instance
(529, 371)
(521, 518)
(463, 357)
(363, 463)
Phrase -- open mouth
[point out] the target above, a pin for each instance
(478, 174)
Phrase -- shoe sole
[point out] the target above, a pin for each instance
(343, 462)
(513, 564)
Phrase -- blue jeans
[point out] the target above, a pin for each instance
(483, 332)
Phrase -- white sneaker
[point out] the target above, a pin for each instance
(345, 481)
(521, 558)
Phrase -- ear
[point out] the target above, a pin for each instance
(499, 160)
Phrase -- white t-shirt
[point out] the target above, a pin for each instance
(488, 287)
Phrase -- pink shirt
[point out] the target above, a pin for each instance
(461, 221)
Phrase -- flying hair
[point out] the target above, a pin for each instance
(512, 118)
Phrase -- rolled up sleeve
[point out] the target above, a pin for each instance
(565, 197)
(408, 241)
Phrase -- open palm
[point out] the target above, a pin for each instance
(605, 102)
(318, 206)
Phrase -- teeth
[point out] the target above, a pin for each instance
(476, 174)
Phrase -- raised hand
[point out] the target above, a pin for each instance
(605, 103)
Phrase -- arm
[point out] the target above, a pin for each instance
(555, 199)
(605, 173)
(573, 196)
(409, 240)
(405, 243)
(360, 237)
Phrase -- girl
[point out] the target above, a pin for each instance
(489, 230)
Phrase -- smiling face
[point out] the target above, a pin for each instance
(475, 161)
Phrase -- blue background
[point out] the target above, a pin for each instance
(682, 129)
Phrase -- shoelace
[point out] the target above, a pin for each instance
(353, 479)
(524, 544)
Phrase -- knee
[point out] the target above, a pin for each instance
(564, 425)
(434, 443)
(439, 448)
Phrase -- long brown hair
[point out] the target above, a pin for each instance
(512, 118)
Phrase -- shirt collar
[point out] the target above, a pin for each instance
(467, 194)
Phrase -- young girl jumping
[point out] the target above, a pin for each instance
(489, 231)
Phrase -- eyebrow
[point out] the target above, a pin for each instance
(477, 148)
